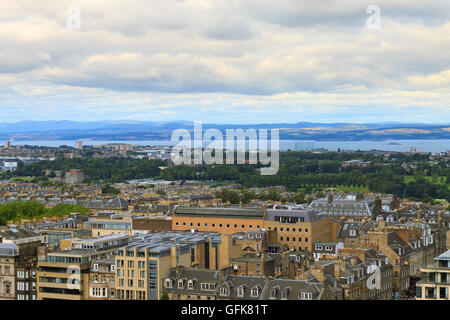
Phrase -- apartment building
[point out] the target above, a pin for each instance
(65, 274)
(141, 266)
(397, 251)
(183, 283)
(8, 255)
(376, 271)
(197, 284)
(102, 279)
(435, 284)
(113, 224)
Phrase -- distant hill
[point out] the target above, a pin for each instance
(146, 130)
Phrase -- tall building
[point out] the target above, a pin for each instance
(74, 177)
(79, 145)
(64, 275)
(141, 266)
(8, 255)
(7, 144)
(435, 284)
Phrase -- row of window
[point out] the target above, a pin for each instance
(25, 274)
(293, 239)
(213, 225)
(288, 229)
(120, 273)
(131, 295)
(98, 292)
(121, 263)
(24, 286)
(26, 297)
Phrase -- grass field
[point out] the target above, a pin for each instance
(21, 179)
(363, 189)
(440, 180)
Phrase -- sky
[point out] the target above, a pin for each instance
(228, 61)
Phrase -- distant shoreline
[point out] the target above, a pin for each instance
(402, 145)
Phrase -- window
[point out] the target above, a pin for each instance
(224, 291)
(191, 284)
(274, 293)
(285, 293)
(240, 292)
(208, 286)
(168, 283)
(306, 296)
(254, 292)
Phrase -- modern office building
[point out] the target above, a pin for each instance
(223, 220)
(298, 229)
(65, 274)
(435, 284)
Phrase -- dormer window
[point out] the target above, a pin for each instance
(168, 283)
(180, 284)
(191, 284)
(353, 232)
(95, 266)
(254, 292)
(285, 293)
(306, 296)
(223, 291)
(274, 292)
(240, 292)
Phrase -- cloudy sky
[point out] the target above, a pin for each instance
(225, 61)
